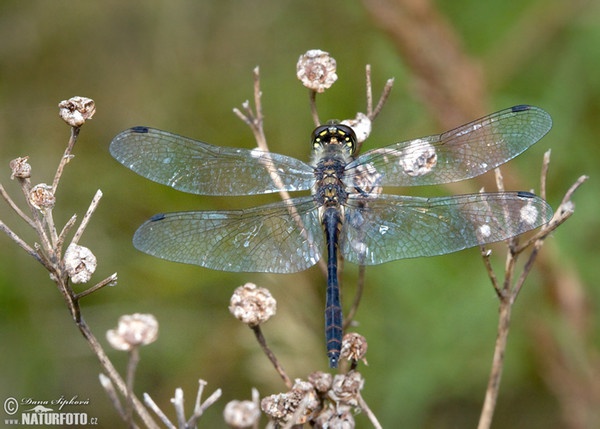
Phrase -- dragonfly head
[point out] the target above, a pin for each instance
(336, 134)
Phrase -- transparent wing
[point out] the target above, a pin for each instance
(199, 168)
(459, 154)
(393, 227)
(267, 238)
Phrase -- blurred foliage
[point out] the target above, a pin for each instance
(183, 66)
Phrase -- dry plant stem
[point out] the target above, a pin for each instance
(200, 407)
(16, 208)
(491, 394)
(163, 418)
(255, 122)
(509, 292)
(109, 388)
(360, 286)
(113, 375)
(179, 409)
(110, 280)
(312, 98)
(134, 358)
(263, 343)
(387, 89)
(369, 88)
(66, 157)
(87, 216)
(22, 244)
(368, 412)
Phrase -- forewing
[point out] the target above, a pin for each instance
(275, 238)
(393, 227)
(459, 154)
(199, 168)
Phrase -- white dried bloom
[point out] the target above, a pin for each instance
(41, 197)
(316, 70)
(338, 417)
(361, 125)
(298, 404)
(80, 263)
(346, 388)
(321, 381)
(133, 331)
(76, 110)
(354, 347)
(241, 414)
(252, 305)
(21, 169)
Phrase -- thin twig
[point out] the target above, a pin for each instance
(314, 113)
(159, 413)
(363, 406)
(109, 388)
(360, 286)
(200, 407)
(22, 244)
(491, 394)
(16, 208)
(178, 404)
(387, 90)
(134, 359)
(110, 280)
(369, 88)
(66, 157)
(87, 216)
(113, 374)
(278, 367)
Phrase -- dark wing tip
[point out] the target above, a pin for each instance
(521, 108)
(140, 129)
(157, 217)
(525, 194)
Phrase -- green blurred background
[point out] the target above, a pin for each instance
(183, 66)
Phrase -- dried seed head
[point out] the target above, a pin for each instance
(299, 403)
(354, 347)
(41, 197)
(361, 125)
(252, 305)
(80, 263)
(316, 70)
(346, 388)
(133, 331)
(321, 381)
(21, 169)
(76, 110)
(241, 414)
(335, 417)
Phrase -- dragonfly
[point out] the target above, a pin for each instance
(346, 215)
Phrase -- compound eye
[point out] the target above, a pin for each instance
(334, 133)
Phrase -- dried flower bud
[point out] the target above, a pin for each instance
(339, 417)
(21, 169)
(321, 381)
(300, 403)
(80, 263)
(133, 331)
(241, 414)
(316, 70)
(252, 305)
(354, 347)
(346, 388)
(361, 125)
(76, 110)
(41, 197)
